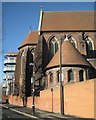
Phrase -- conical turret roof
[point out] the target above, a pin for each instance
(31, 39)
(70, 56)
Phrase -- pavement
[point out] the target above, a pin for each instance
(39, 114)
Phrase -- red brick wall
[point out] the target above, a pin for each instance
(78, 97)
(4, 98)
(15, 100)
(48, 100)
(29, 102)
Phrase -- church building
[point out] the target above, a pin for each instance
(61, 52)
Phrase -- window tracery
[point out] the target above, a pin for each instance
(53, 46)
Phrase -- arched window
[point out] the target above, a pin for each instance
(89, 47)
(46, 80)
(81, 77)
(58, 76)
(51, 48)
(51, 77)
(90, 74)
(56, 47)
(70, 75)
(53, 45)
(22, 61)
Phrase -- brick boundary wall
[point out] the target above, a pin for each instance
(4, 99)
(79, 99)
(15, 100)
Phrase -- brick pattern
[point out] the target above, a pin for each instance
(15, 100)
(65, 74)
(78, 99)
(4, 98)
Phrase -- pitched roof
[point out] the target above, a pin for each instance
(31, 39)
(68, 20)
(70, 56)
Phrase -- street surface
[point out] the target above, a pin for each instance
(24, 113)
(7, 113)
(12, 113)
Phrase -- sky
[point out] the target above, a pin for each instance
(17, 17)
(48, 0)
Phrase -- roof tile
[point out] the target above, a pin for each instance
(70, 56)
(32, 38)
(70, 20)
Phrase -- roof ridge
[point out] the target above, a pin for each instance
(69, 11)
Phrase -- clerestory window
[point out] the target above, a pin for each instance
(70, 75)
(51, 77)
(89, 47)
(53, 46)
(81, 77)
